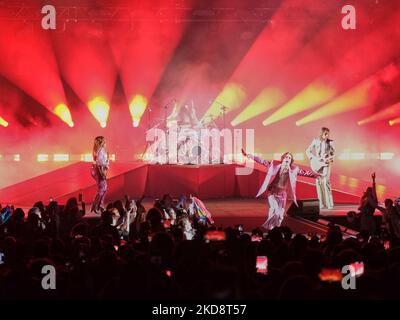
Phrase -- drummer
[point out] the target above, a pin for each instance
(186, 116)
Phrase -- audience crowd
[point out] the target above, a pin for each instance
(173, 251)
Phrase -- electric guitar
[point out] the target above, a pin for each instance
(317, 163)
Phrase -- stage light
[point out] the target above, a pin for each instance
(351, 156)
(299, 156)
(60, 157)
(342, 179)
(357, 97)
(112, 157)
(380, 190)
(277, 156)
(354, 98)
(357, 156)
(268, 99)
(386, 113)
(3, 122)
(62, 111)
(16, 157)
(344, 156)
(100, 110)
(353, 183)
(394, 121)
(231, 97)
(87, 157)
(310, 97)
(386, 155)
(42, 157)
(137, 106)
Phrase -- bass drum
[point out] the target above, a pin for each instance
(199, 154)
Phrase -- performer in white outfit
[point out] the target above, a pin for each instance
(280, 181)
(321, 153)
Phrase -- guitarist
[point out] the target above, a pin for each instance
(321, 152)
(99, 173)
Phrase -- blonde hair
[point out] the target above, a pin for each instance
(98, 143)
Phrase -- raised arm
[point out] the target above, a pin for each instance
(374, 196)
(381, 209)
(256, 159)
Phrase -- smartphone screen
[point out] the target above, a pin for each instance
(256, 238)
(215, 236)
(262, 264)
(330, 275)
(386, 244)
(167, 224)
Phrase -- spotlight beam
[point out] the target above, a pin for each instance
(26, 51)
(231, 97)
(394, 121)
(311, 96)
(268, 99)
(354, 98)
(384, 114)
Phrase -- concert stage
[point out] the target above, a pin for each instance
(138, 179)
(251, 213)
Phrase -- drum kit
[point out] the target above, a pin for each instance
(188, 133)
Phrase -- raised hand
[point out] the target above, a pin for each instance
(373, 175)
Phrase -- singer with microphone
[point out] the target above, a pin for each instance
(321, 152)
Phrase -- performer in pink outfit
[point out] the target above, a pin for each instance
(280, 183)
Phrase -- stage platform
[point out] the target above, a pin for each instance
(251, 213)
(228, 196)
(139, 179)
